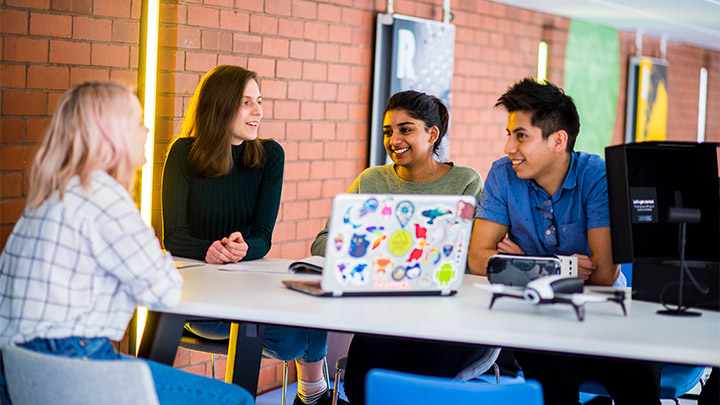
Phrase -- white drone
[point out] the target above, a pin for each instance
(554, 289)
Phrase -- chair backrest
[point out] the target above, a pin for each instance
(392, 387)
(39, 378)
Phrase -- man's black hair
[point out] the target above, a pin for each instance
(549, 107)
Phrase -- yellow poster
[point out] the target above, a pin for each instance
(652, 103)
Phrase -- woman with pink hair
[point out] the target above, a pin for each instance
(80, 259)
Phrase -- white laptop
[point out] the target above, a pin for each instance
(394, 244)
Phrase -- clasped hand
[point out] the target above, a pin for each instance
(230, 249)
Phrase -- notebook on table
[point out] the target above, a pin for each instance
(394, 244)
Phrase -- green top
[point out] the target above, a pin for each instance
(197, 210)
(459, 180)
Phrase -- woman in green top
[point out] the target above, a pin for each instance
(220, 197)
(414, 126)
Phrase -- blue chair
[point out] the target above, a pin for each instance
(675, 380)
(384, 387)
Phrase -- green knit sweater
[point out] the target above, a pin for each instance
(459, 180)
(198, 210)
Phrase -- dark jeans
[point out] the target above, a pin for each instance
(441, 359)
(628, 382)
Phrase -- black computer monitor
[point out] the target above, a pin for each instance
(644, 182)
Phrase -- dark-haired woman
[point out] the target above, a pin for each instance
(221, 195)
(414, 126)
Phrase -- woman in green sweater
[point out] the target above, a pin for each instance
(414, 126)
(220, 198)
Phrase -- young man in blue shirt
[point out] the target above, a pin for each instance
(544, 198)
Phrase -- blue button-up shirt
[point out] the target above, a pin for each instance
(548, 225)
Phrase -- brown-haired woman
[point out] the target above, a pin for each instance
(220, 197)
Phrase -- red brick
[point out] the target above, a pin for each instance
(236, 21)
(323, 130)
(10, 210)
(278, 7)
(38, 4)
(290, 28)
(321, 208)
(12, 130)
(297, 171)
(36, 128)
(170, 59)
(340, 73)
(314, 71)
(263, 25)
(341, 33)
(299, 130)
(268, 109)
(283, 232)
(221, 3)
(251, 5)
(310, 110)
(13, 21)
(302, 50)
(11, 184)
(112, 8)
(328, 52)
(360, 74)
(264, 67)
(52, 25)
(75, 6)
(203, 16)
(325, 91)
(362, 37)
(188, 38)
(25, 49)
(247, 44)
(126, 31)
(172, 13)
(232, 60)
(295, 210)
(309, 229)
(48, 77)
(96, 29)
(336, 111)
(127, 77)
(287, 110)
(298, 90)
(289, 69)
(316, 32)
(304, 9)
(12, 76)
(110, 55)
(183, 83)
(294, 249)
(275, 47)
(16, 158)
(24, 103)
(311, 150)
(67, 52)
(274, 89)
(217, 40)
(329, 13)
(200, 62)
(52, 100)
(275, 130)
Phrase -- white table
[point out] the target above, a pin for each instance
(260, 298)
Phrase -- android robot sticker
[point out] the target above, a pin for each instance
(445, 274)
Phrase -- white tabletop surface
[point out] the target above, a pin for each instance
(260, 297)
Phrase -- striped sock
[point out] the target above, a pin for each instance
(310, 391)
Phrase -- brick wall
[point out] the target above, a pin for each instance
(315, 62)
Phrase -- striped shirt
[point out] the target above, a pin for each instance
(79, 266)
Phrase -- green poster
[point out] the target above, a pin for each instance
(592, 79)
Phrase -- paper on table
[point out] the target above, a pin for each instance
(312, 264)
(265, 265)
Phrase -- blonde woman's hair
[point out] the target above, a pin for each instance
(209, 118)
(89, 131)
